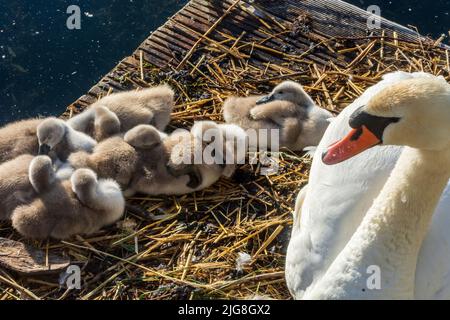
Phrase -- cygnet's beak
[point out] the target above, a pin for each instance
(265, 99)
(44, 149)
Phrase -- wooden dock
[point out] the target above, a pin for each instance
(208, 51)
(313, 31)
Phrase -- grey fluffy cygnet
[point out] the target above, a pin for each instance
(42, 136)
(151, 106)
(141, 163)
(224, 144)
(63, 208)
(288, 108)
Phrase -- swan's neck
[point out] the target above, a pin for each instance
(405, 205)
(392, 231)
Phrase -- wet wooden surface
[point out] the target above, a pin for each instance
(298, 24)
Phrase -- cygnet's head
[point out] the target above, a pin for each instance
(50, 132)
(144, 136)
(288, 91)
(106, 123)
(82, 180)
(226, 143)
(413, 112)
(41, 173)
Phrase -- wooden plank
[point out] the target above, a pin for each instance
(168, 46)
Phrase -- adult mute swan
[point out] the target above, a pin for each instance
(332, 207)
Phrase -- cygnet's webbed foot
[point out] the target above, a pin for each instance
(195, 177)
(140, 212)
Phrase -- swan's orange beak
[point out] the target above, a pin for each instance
(355, 142)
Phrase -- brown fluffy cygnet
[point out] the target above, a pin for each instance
(151, 106)
(141, 163)
(42, 136)
(63, 208)
(287, 108)
(15, 185)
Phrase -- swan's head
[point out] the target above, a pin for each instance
(50, 132)
(413, 112)
(288, 91)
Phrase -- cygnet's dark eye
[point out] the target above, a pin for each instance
(280, 92)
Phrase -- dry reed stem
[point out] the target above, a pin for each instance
(191, 253)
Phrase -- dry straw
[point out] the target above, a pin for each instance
(191, 253)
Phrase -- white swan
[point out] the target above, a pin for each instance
(330, 210)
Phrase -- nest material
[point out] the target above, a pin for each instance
(195, 251)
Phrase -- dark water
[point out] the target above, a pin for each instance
(431, 17)
(44, 66)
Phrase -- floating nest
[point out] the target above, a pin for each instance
(228, 241)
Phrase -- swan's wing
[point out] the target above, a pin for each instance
(299, 204)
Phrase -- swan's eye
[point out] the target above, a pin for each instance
(280, 92)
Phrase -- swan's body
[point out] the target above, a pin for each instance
(150, 106)
(288, 108)
(332, 208)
